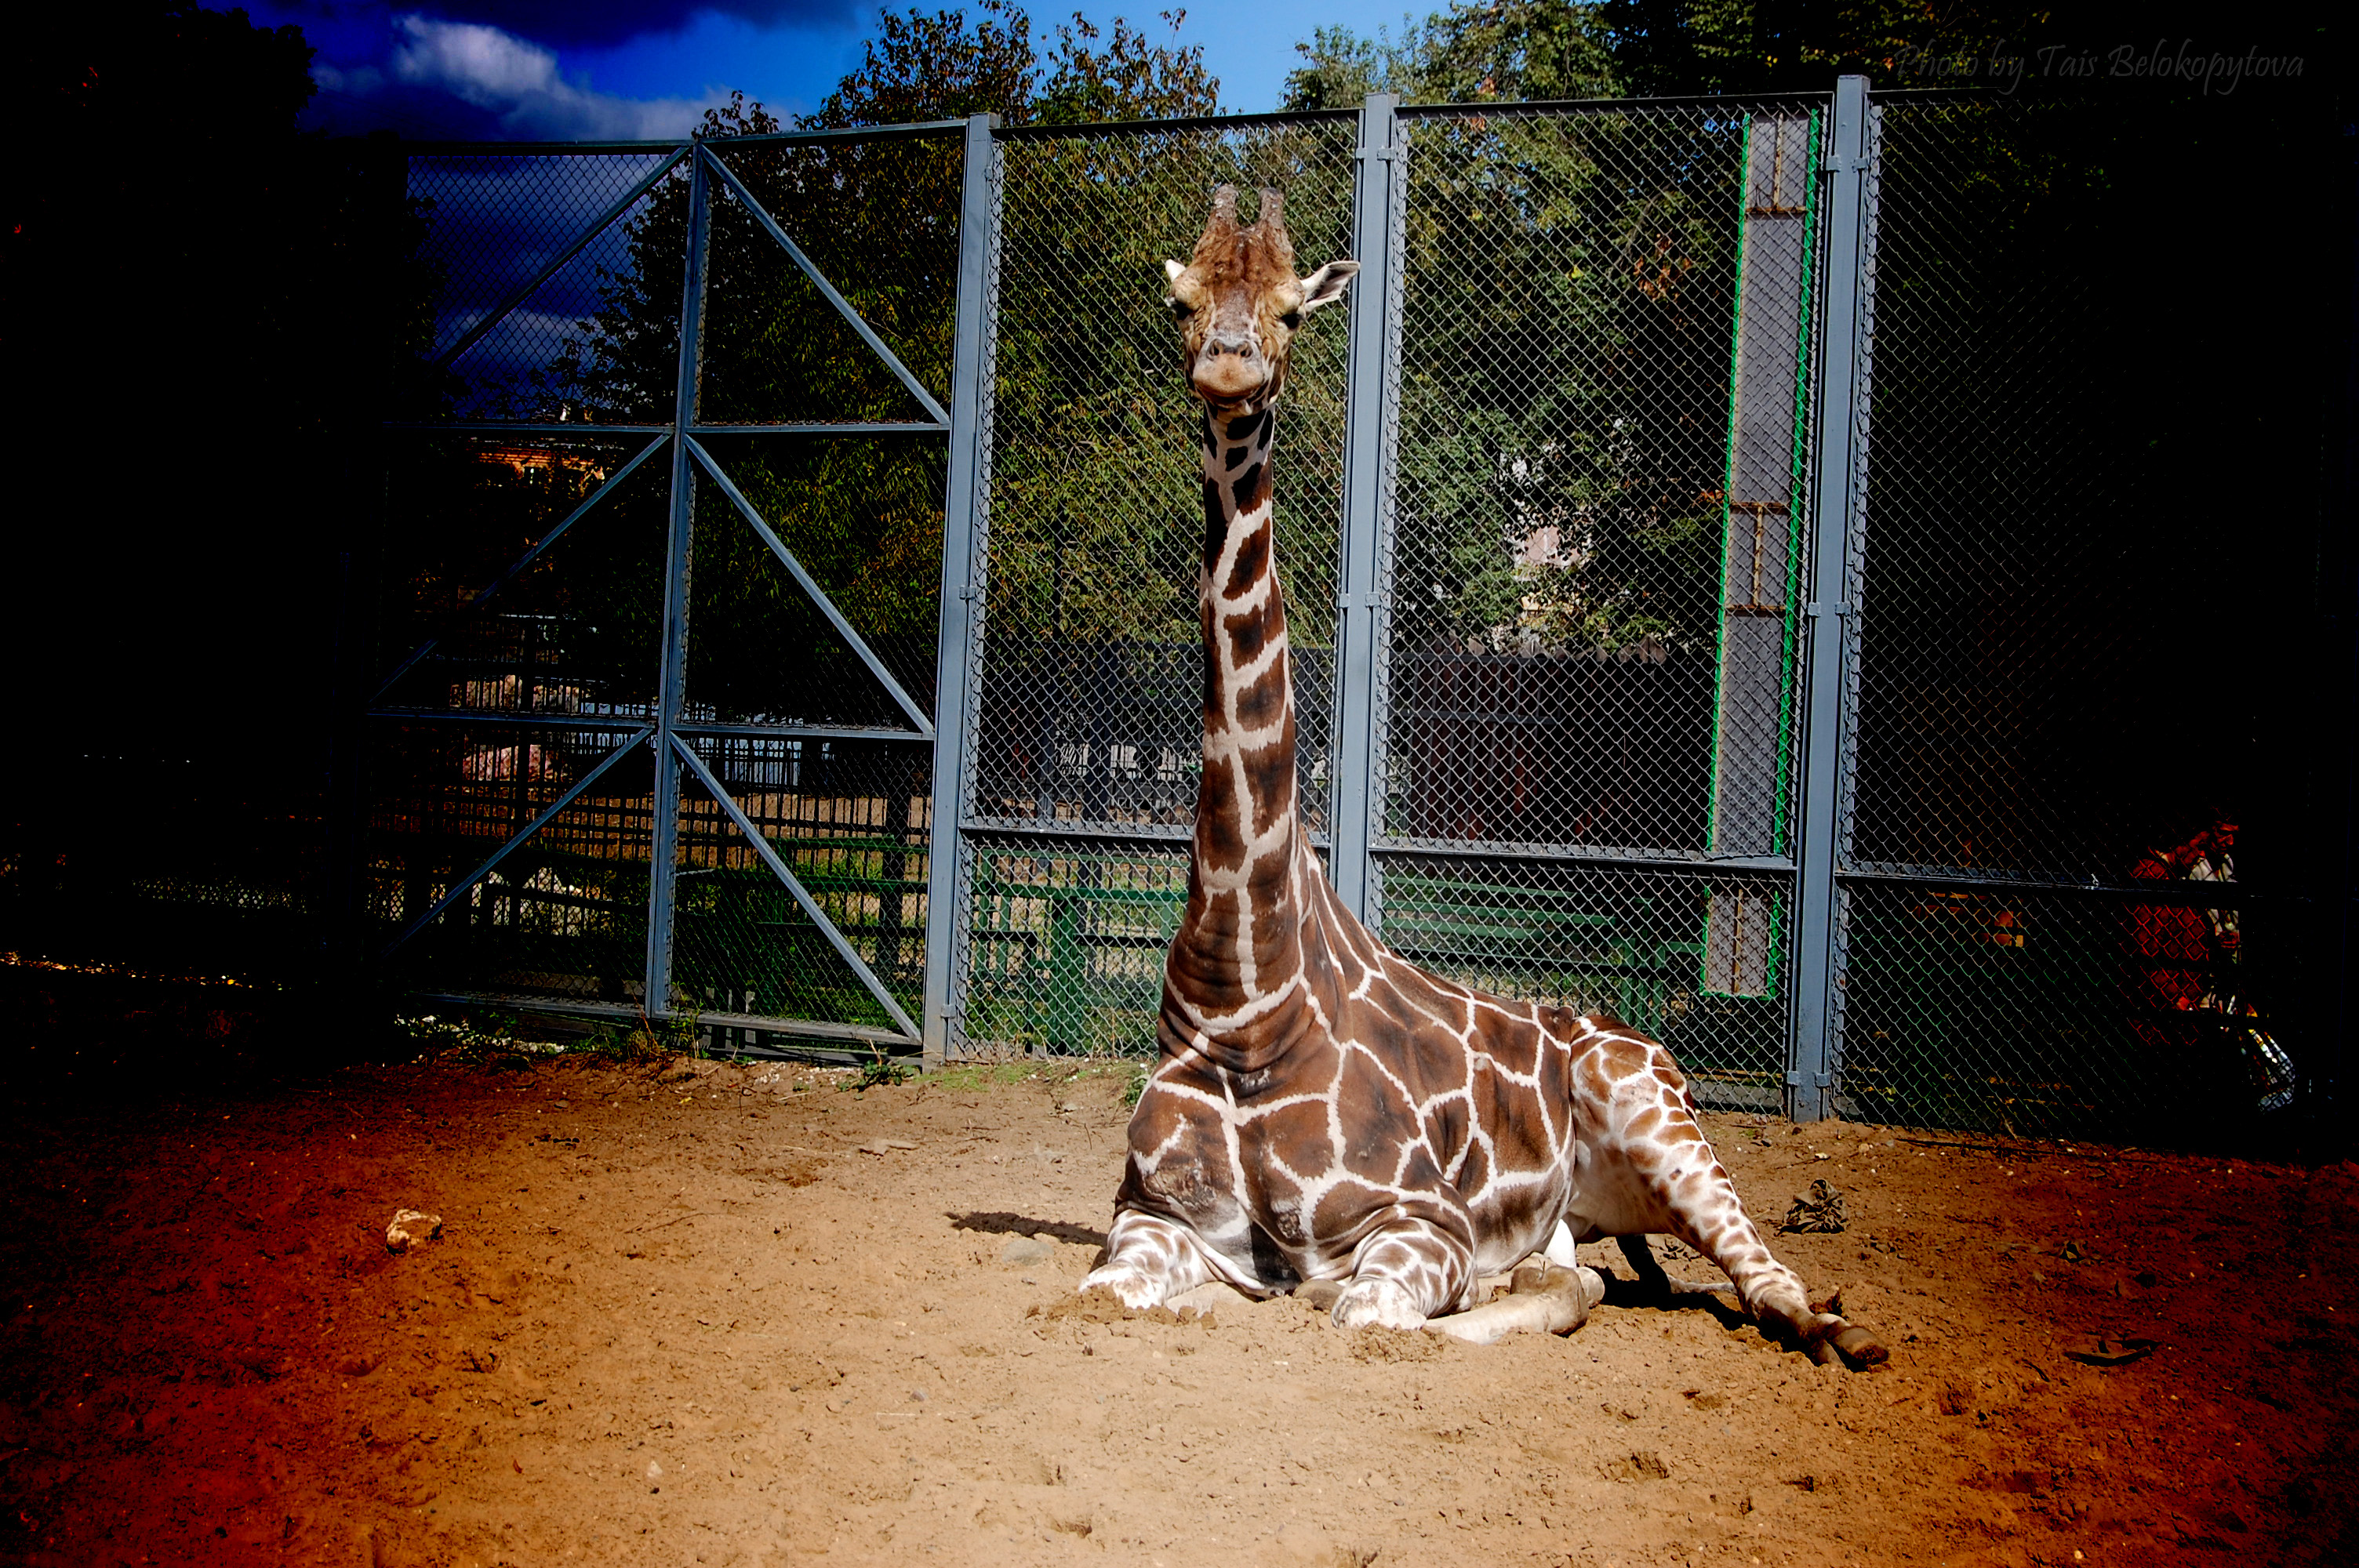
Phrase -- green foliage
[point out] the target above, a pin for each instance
(1468, 53)
(1132, 77)
(1562, 416)
(881, 1071)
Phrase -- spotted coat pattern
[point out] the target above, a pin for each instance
(1322, 1108)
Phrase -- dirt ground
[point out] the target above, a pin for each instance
(707, 1313)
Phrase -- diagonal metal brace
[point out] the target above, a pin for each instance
(817, 595)
(778, 868)
(522, 291)
(842, 305)
(459, 890)
(509, 576)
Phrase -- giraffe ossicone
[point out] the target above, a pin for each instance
(1322, 1109)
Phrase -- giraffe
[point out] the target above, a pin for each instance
(1322, 1110)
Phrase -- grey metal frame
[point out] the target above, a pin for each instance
(1377, 188)
(965, 507)
(670, 730)
(1826, 733)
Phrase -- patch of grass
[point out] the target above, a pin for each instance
(647, 1041)
(880, 1072)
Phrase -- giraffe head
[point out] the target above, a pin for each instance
(1239, 304)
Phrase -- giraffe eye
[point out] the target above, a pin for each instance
(1180, 309)
(1291, 319)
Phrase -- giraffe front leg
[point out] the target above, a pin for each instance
(1149, 1260)
(1699, 1205)
(1410, 1270)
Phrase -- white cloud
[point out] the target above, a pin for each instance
(518, 81)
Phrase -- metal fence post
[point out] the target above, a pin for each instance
(1811, 1054)
(1355, 798)
(671, 686)
(965, 500)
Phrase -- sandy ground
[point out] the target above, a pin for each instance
(705, 1313)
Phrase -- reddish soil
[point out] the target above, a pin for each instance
(683, 1319)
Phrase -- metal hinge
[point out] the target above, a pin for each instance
(1820, 607)
(1839, 164)
(1818, 1080)
(1385, 155)
(1349, 600)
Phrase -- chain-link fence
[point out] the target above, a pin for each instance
(1838, 581)
(1590, 567)
(1087, 676)
(2068, 551)
(1775, 623)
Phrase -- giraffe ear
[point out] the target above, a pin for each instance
(1326, 285)
(1172, 269)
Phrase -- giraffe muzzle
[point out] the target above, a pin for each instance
(1230, 372)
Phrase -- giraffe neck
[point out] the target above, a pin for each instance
(1239, 950)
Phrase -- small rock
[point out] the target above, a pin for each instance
(1025, 1249)
(410, 1228)
(880, 1146)
(1643, 1466)
(654, 1470)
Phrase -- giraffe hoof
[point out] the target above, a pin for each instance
(1375, 1303)
(1858, 1347)
(1133, 1288)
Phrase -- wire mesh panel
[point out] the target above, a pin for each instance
(2069, 547)
(863, 518)
(1063, 943)
(848, 820)
(1604, 351)
(532, 572)
(572, 631)
(878, 221)
(1089, 692)
(2055, 671)
(495, 223)
(1650, 946)
(2030, 1012)
(563, 915)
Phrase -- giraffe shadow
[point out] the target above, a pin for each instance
(999, 1222)
(1673, 1295)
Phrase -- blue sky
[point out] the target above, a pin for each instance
(550, 69)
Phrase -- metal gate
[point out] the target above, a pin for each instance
(662, 574)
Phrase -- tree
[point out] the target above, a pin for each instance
(879, 219)
(1505, 50)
